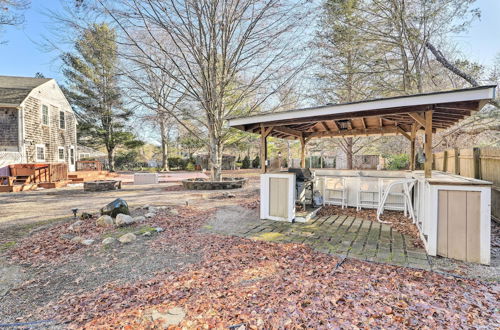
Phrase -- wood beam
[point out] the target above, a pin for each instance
(363, 123)
(289, 131)
(264, 132)
(303, 151)
(414, 129)
(353, 132)
(325, 126)
(428, 144)
(418, 118)
(335, 125)
(402, 132)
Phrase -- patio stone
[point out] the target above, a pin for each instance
(345, 236)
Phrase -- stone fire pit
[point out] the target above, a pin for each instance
(102, 185)
(203, 184)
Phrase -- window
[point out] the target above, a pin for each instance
(60, 151)
(45, 115)
(83, 155)
(40, 152)
(62, 120)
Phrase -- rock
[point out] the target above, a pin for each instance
(172, 317)
(77, 239)
(150, 215)
(104, 220)
(75, 225)
(108, 240)
(67, 237)
(115, 207)
(173, 212)
(139, 219)
(124, 220)
(87, 242)
(86, 216)
(127, 238)
(153, 209)
(159, 229)
(148, 233)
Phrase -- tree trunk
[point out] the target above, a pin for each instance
(111, 160)
(348, 152)
(164, 146)
(215, 157)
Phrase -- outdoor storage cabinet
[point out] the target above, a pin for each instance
(145, 178)
(277, 196)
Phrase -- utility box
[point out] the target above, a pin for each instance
(277, 196)
(145, 178)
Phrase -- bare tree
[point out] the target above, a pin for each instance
(12, 12)
(230, 56)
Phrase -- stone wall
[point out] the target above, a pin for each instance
(102, 185)
(9, 129)
(227, 183)
(50, 135)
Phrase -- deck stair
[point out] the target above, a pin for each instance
(84, 176)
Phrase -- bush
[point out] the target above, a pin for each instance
(246, 162)
(190, 166)
(398, 162)
(238, 164)
(256, 162)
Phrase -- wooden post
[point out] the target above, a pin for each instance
(428, 144)
(263, 150)
(414, 128)
(457, 161)
(445, 161)
(264, 132)
(302, 152)
(476, 154)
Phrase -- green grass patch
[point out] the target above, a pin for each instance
(269, 237)
(5, 246)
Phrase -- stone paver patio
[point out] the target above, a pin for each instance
(346, 236)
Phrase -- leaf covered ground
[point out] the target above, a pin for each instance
(234, 280)
(274, 285)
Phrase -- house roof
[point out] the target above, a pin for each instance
(14, 90)
(392, 115)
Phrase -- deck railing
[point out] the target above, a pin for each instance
(40, 172)
(89, 165)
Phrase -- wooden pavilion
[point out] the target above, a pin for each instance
(404, 115)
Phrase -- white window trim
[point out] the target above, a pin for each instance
(44, 152)
(59, 119)
(83, 155)
(48, 115)
(64, 154)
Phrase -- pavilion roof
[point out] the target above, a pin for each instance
(384, 116)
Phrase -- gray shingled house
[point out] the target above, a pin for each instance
(37, 123)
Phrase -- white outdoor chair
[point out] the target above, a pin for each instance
(396, 200)
(407, 186)
(368, 193)
(335, 191)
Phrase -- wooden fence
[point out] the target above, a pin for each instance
(479, 163)
(89, 165)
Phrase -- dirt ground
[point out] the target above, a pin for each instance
(191, 263)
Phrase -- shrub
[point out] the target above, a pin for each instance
(246, 162)
(256, 162)
(190, 166)
(239, 165)
(398, 162)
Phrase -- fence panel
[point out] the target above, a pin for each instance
(452, 163)
(490, 165)
(467, 163)
(439, 161)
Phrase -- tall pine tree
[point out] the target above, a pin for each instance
(93, 89)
